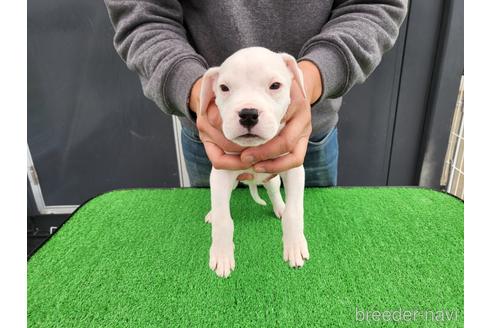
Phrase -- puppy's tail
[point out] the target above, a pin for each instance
(253, 190)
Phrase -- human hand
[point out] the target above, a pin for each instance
(210, 132)
(288, 149)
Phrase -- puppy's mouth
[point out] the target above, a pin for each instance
(249, 136)
(249, 140)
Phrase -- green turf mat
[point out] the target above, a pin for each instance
(139, 258)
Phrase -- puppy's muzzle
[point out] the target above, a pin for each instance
(248, 117)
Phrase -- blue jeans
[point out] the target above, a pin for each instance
(320, 163)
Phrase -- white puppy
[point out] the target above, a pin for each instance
(252, 92)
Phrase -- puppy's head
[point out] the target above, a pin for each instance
(252, 91)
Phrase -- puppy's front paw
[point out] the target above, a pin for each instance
(222, 259)
(295, 250)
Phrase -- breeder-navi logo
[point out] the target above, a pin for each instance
(405, 315)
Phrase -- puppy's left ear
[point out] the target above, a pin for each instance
(295, 70)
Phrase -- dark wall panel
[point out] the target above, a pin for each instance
(448, 69)
(416, 77)
(366, 122)
(90, 129)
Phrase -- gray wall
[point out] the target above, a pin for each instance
(90, 129)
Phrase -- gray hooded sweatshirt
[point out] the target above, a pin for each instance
(171, 43)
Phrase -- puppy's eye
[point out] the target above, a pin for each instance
(275, 86)
(224, 88)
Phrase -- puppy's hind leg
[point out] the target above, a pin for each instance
(273, 189)
(208, 217)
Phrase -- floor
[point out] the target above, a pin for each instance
(40, 228)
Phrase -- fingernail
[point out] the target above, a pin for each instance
(249, 159)
(260, 169)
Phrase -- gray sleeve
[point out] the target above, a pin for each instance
(151, 40)
(350, 45)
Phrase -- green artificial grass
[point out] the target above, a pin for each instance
(139, 258)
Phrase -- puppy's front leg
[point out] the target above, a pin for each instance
(295, 244)
(222, 183)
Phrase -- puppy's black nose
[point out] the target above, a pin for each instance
(248, 117)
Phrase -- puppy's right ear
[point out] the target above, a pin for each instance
(207, 89)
